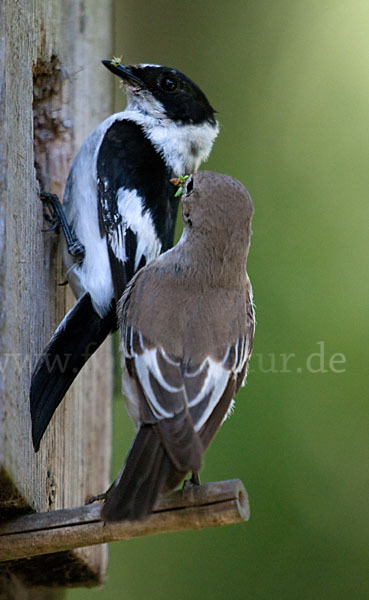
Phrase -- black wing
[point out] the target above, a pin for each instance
(136, 204)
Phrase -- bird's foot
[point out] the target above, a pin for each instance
(57, 218)
(194, 480)
(100, 497)
(49, 201)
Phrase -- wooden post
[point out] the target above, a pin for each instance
(53, 92)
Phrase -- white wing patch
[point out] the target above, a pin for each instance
(215, 381)
(130, 207)
(117, 242)
(169, 386)
(146, 365)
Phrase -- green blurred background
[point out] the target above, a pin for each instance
(290, 79)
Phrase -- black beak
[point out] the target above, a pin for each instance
(123, 72)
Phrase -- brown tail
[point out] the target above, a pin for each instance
(149, 470)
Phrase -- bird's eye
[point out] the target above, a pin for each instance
(168, 84)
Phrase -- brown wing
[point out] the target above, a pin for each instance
(197, 398)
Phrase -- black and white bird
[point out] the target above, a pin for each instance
(119, 213)
(187, 327)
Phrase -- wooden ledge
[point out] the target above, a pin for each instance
(194, 507)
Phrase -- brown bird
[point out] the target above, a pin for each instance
(187, 327)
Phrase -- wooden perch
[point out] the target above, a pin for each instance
(194, 507)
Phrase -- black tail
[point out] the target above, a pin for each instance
(78, 336)
(147, 472)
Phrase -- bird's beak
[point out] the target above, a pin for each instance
(123, 72)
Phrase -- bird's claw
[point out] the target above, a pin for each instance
(77, 250)
(194, 480)
(55, 224)
(50, 200)
(98, 498)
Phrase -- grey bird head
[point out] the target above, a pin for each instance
(164, 90)
(217, 211)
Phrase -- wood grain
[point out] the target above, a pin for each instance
(195, 507)
(53, 92)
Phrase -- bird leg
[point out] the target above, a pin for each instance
(195, 479)
(101, 496)
(58, 219)
(97, 498)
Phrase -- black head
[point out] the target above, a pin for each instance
(181, 99)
